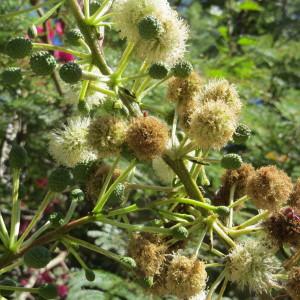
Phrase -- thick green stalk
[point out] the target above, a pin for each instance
(16, 213)
(90, 37)
(253, 220)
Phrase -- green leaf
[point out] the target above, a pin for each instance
(106, 286)
(250, 5)
(246, 41)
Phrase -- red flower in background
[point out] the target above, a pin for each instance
(41, 183)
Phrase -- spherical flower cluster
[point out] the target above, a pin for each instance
(221, 90)
(295, 195)
(169, 41)
(68, 146)
(182, 89)
(147, 137)
(149, 253)
(269, 188)
(251, 264)
(284, 227)
(186, 277)
(293, 283)
(239, 178)
(212, 125)
(106, 135)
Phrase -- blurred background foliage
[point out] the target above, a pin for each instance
(254, 44)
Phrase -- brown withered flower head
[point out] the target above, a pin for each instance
(293, 283)
(284, 226)
(184, 89)
(148, 251)
(185, 110)
(295, 195)
(240, 178)
(269, 188)
(147, 137)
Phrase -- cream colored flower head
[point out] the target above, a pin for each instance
(68, 146)
(221, 90)
(252, 264)
(212, 125)
(170, 44)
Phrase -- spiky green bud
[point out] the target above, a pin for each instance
(147, 282)
(59, 179)
(18, 47)
(128, 261)
(11, 75)
(77, 194)
(8, 282)
(37, 257)
(70, 72)
(73, 36)
(56, 219)
(90, 275)
(17, 157)
(180, 233)
(223, 211)
(116, 196)
(182, 69)
(81, 172)
(149, 27)
(158, 70)
(48, 291)
(32, 31)
(42, 63)
(242, 134)
(231, 161)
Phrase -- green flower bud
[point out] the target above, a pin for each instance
(32, 31)
(59, 179)
(90, 275)
(231, 161)
(116, 196)
(128, 261)
(70, 72)
(81, 172)
(222, 211)
(42, 63)
(37, 257)
(147, 282)
(18, 47)
(94, 5)
(149, 27)
(8, 282)
(56, 219)
(17, 157)
(77, 194)
(182, 69)
(48, 291)
(158, 71)
(73, 36)
(83, 107)
(180, 233)
(242, 134)
(11, 75)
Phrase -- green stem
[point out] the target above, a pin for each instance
(75, 254)
(231, 201)
(247, 230)
(201, 238)
(97, 13)
(124, 60)
(59, 48)
(214, 265)
(181, 171)
(223, 288)
(70, 211)
(84, 86)
(89, 36)
(11, 267)
(253, 220)
(86, 7)
(38, 215)
(18, 289)
(239, 201)
(16, 210)
(133, 77)
(143, 94)
(38, 233)
(223, 235)
(104, 17)
(28, 10)
(215, 285)
(102, 90)
(150, 187)
(125, 210)
(104, 197)
(142, 70)
(92, 247)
